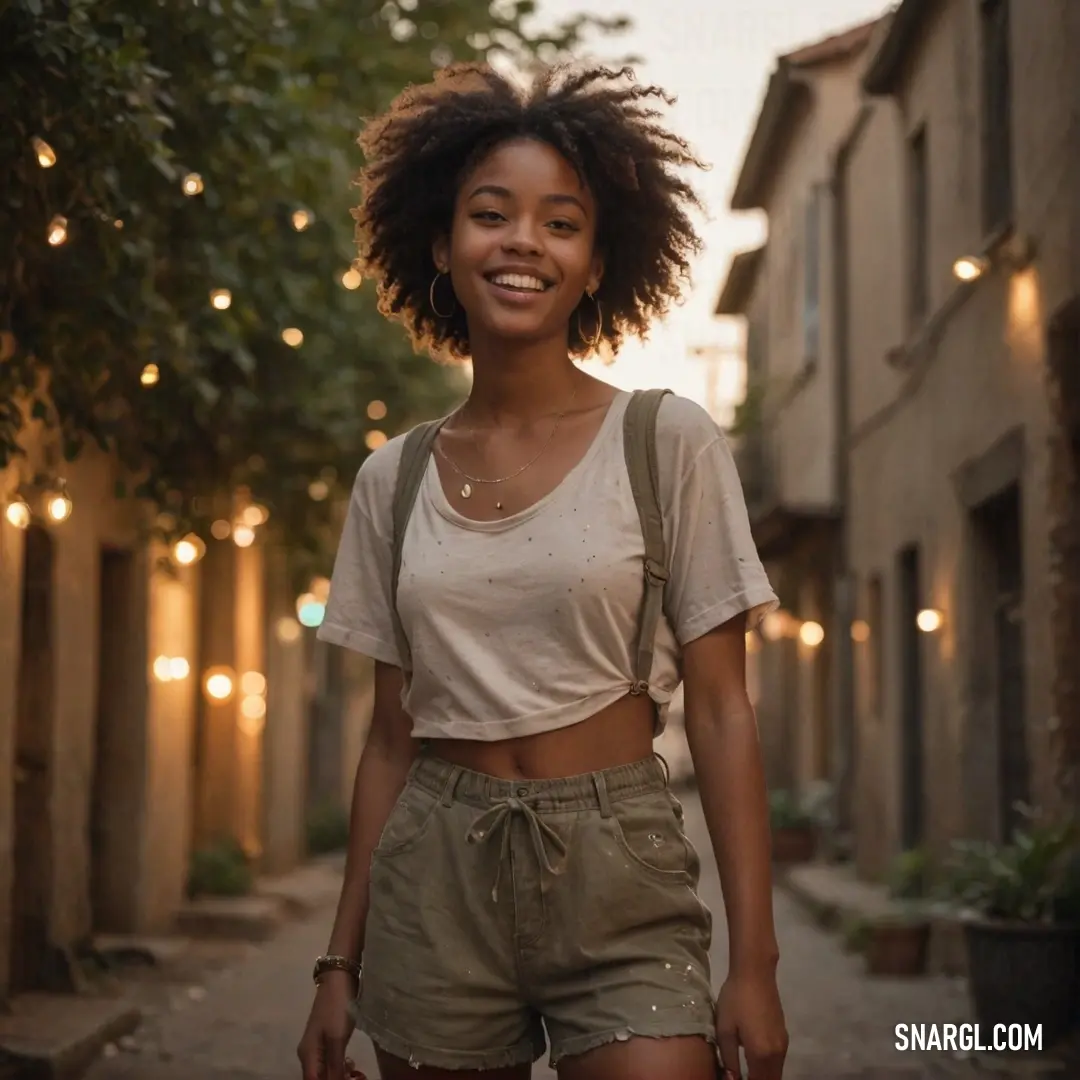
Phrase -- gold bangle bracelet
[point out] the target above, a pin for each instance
(325, 964)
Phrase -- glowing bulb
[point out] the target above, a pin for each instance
(351, 279)
(320, 589)
(970, 267)
(287, 630)
(58, 232)
(221, 529)
(59, 507)
(252, 718)
(772, 626)
(193, 184)
(301, 219)
(374, 439)
(292, 336)
(310, 610)
(163, 669)
(928, 620)
(221, 299)
(150, 375)
(179, 668)
(318, 490)
(860, 630)
(811, 633)
(376, 410)
(46, 155)
(218, 684)
(243, 535)
(188, 550)
(253, 683)
(18, 514)
(254, 516)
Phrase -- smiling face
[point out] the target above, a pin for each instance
(522, 247)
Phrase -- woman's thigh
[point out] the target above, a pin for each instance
(686, 1057)
(394, 1068)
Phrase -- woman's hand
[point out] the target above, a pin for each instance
(329, 1027)
(749, 1015)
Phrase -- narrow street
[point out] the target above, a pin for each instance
(242, 1021)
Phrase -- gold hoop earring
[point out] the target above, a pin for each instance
(598, 335)
(431, 297)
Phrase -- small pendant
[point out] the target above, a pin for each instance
(466, 491)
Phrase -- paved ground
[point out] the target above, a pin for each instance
(242, 1021)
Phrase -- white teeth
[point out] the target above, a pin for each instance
(519, 281)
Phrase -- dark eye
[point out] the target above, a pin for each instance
(486, 215)
(568, 226)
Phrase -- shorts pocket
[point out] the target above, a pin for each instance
(649, 831)
(408, 822)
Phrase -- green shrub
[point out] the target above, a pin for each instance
(327, 829)
(909, 875)
(221, 868)
(786, 811)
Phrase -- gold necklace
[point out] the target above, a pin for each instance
(466, 488)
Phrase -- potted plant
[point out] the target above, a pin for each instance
(794, 829)
(1020, 906)
(898, 943)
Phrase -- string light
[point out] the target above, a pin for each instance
(218, 684)
(221, 299)
(58, 505)
(221, 529)
(58, 231)
(254, 516)
(301, 219)
(192, 184)
(292, 336)
(318, 490)
(374, 439)
(18, 513)
(351, 279)
(376, 410)
(253, 683)
(287, 630)
(309, 609)
(243, 535)
(189, 550)
(150, 375)
(46, 155)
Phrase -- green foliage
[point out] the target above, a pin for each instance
(786, 811)
(262, 99)
(327, 829)
(220, 869)
(1035, 878)
(909, 875)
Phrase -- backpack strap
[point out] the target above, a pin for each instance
(639, 446)
(414, 458)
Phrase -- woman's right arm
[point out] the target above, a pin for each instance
(380, 778)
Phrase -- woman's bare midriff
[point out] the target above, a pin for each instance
(618, 735)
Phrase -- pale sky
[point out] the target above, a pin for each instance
(715, 56)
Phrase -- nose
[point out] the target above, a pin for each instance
(522, 238)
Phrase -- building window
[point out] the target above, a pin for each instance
(812, 276)
(997, 186)
(919, 226)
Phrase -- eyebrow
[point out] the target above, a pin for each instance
(505, 193)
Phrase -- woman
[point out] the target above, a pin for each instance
(517, 865)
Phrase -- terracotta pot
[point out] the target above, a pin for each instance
(898, 948)
(794, 845)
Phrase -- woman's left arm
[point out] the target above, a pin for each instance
(721, 730)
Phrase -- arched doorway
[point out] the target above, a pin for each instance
(30, 949)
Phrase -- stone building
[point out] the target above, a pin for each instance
(953, 261)
(118, 754)
(789, 431)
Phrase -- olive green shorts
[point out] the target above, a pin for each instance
(502, 908)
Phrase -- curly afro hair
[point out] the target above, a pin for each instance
(603, 123)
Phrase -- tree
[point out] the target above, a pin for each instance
(157, 154)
